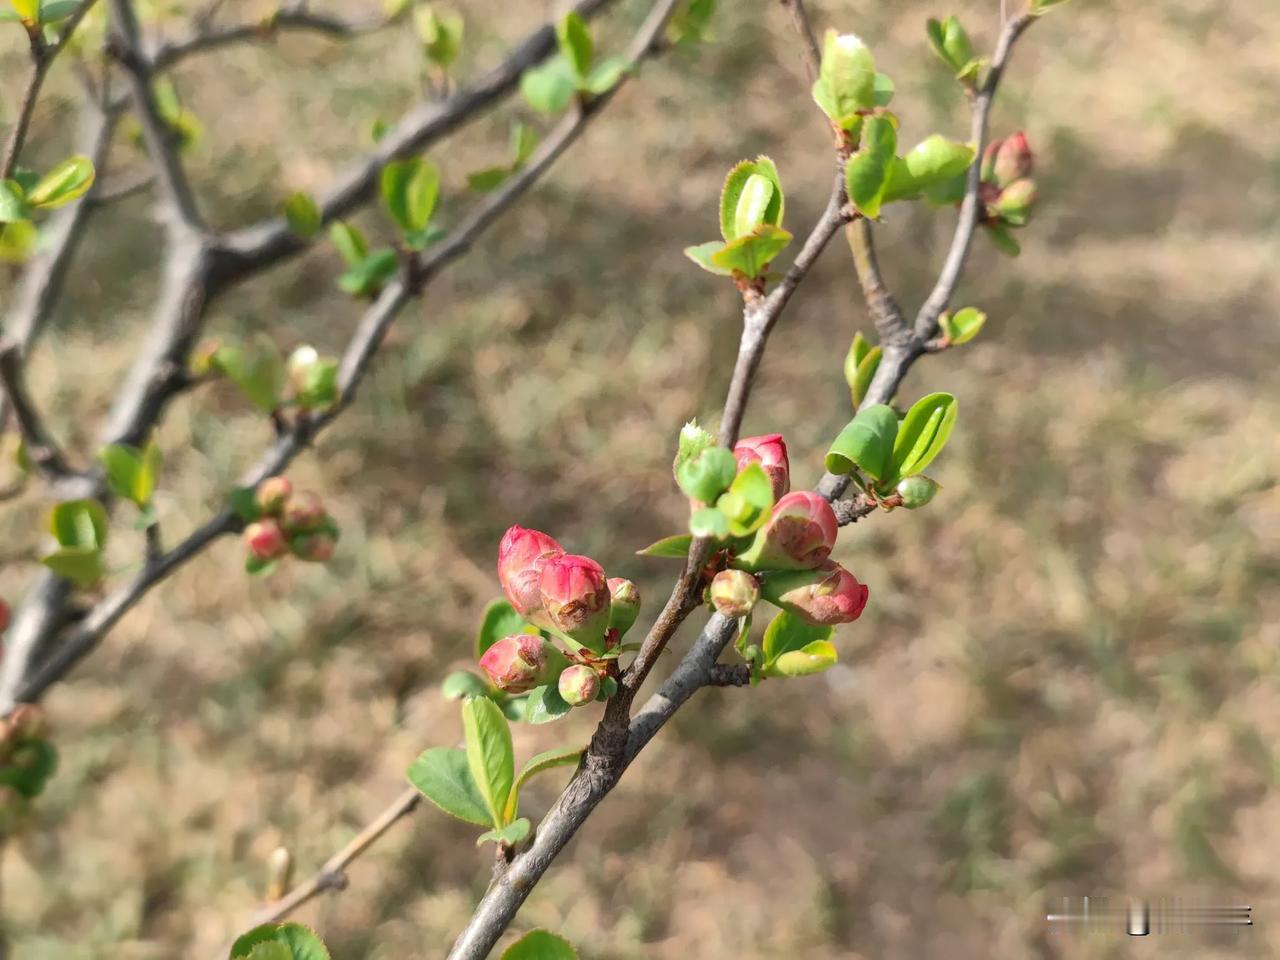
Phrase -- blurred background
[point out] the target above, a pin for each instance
(1067, 680)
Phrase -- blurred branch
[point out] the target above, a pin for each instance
(41, 447)
(115, 192)
(295, 17)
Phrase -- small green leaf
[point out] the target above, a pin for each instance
(753, 201)
(867, 173)
(13, 204)
(735, 183)
(540, 945)
(52, 11)
(929, 165)
(443, 776)
(963, 326)
(786, 633)
(258, 567)
(812, 658)
(28, 767)
(524, 139)
(83, 566)
(858, 349)
(574, 40)
(709, 522)
(409, 191)
(865, 373)
(482, 181)
(131, 473)
(605, 75)
(923, 434)
(545, 704)
(748, 501)
(79, 523)
(244, 503)
(68, 181)
(500, 620)
(511, 834)
(301, 942)
(463, 683)
(549, 88)
(17, 237)
(259, 373)
(673, 546)
(540, 763)
(369, 276)
(441, 35)
(303, 215)
(866, 442)
(489, 754)
(1003, 239)
(707, 475)
(846, 80)
(752, 254)
(350, 242)
(703, 253)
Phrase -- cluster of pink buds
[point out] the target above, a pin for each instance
(568, 597)
(1007, 191)
(288, 522)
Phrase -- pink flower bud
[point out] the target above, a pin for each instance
(624, 604)
(1013, 160)
(5, 616)
(576, 598)
(770, 451)
(272, 494)
(318, 547)
(265, 539)
(799, 535)
(518, 663)
(824, 597)
(303, 511)
(1015, 202)
(578, 684)
(521, 556)
(734, 593)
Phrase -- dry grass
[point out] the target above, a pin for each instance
(1067, 680)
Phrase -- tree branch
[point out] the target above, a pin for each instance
(41, 447)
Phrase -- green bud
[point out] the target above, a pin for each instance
(1015, 202)
(578, 684)
(846, 82)
(917, 491)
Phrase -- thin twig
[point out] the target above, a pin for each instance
(41, 447)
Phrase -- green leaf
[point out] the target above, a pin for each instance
(500, 620)
(545, 704)
(923, 434)
(858, 349)
(524, 139)
(259, 372)
(735, 183)
(963, 326)
(786, 633)
(703, 253)
(29, 766)
(950, 43)
(409, 191)
(753, 201)
(482, 181)
(549, 88)
(258, 567)
(441, 36)
(846, 80)
(748, 501)
(511, 834)
(574, 40)
(673, 546)
(931, 164)
(540, 763)
(303, 215)
(51, 11)
(709, 522)
(17, 238)
(866, 372)
(367, 277)
(463, 683)
(13, 204)
(79, 523)
(866, 442)
(244, 503)
(605, 75)
(489, 754)
(707, 475)
(443, 776)
(867, 173)
(301, 942)
(884, 89)
(1003, 239)
(814, 657)
(83, 566)
(131, 473)
(540, 945)
(68, 181)
(316, 387)
(350, 242)
(752, 254)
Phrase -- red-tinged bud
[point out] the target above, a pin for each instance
(1015, 202)
(518, 663)
(27, 722)
(318, 547)
(824, 597)
(1013, 160)
(522, 554)
(266, 540)
(303, 511)
(799, 535)
(272, 494)
(734, 593)
(624, 604)
(575, 595)
(988, 168)
(770, 451)
(578, 684)
(5, 616)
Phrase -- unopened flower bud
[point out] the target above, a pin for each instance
(5, 616)
(846, 78)
(916, 491)
(734, 593)
(575, 595)
(624, 604)
(1015, 202)
(1013, 160)
(799, 535)
(578, 684)
(303, 511)
(770, 451)
(824, 597)
(987, 171)
(272, 494)
(279, 874)
(522, 554)
(520, 662)
(318, 547)
(265, 539)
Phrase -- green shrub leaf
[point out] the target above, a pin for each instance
(866, 442)
(68, 181)
(511, 834)
(814, 657)
(540, 763)
(923, 434)
(787, 633)
(303, 215)
(673, 546)
(300, 942)
(575, 43)
(490, 755)
(540, 945)
(549, 88)
(867, 173)
(500, 620)
(443, 776)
